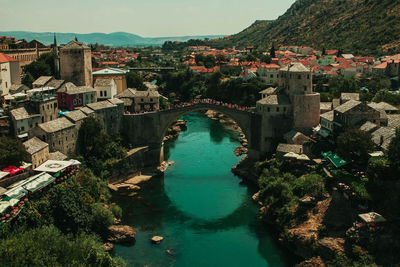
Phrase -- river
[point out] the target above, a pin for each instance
(207, 218)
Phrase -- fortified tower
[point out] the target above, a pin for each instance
(76, 64)
(296, 80)
(292, 105)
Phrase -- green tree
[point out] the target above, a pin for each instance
(272, 51)
(47, 246)
(12, 152)
(354, 142)
(134, 80)
(28, 80)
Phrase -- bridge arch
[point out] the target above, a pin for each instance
(149, 129)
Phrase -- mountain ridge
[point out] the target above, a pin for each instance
(358, 26)
(110, 39)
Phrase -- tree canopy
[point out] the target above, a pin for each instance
(12, 152)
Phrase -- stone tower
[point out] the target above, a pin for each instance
(76, 64)
(296, 81)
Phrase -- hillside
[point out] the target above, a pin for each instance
(359, 26)
(111, 39)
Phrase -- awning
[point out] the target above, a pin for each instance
(17, 192)
(12, 170)
(3, 174)
(43, 180)
(4, 205)
(53, 166)
(335, 159)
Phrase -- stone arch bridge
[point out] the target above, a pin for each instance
(149, 129)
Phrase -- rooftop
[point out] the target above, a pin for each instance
(382, 106)
(86, 110)
(56, 125)
(347, 106)
(368, 126)
(100, 105)
(19, 114)
(75, 115)
(286, 148)
(115, 101)
(74, 45)
(110, 71)
(295, 67)
(72, 89)
(4, 58)
(268, 91)
(275, 100)
(34, 145)
(350, 96)
(328, 115)
(42, 80)
(104, 82)
(55, 83)
(383, 136)
(57, 156)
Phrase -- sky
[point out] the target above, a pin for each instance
(147, 18)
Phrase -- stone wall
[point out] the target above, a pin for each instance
(306, 110)
(76, 66)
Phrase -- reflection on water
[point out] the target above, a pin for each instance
(206, 217)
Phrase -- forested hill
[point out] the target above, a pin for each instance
(358, 26)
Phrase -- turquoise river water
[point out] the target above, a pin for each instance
(207, 218)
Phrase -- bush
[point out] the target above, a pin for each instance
(116, 210)
(102, 218)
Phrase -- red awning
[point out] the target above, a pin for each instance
(12, 170)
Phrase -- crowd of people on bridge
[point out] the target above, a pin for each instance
(212, 102)
(200, 101)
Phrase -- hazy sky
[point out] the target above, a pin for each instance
(148, 18)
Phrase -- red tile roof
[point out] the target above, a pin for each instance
(4, 58)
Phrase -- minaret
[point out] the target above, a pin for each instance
(56, 57)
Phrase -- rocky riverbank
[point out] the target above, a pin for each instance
(306, 237)
(174, 131)
(230, 124)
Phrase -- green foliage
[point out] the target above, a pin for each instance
(43, 66)
(386, 96)
(12, 152)
(281, 191)
(134, 80)
(47, 246)
(328, 24)
(116, 210)
(354, 142)
(28, 80)
(96, 146)
(102, 218)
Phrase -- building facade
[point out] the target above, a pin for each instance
(76, 64)
(118, 75)
(9, 73)
(71, 97)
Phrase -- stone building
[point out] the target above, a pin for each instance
(23, 122)
(140, 101)
(60, 134)
(44, 104)
(105, 88)
(118, 75)
(38, 151)
(42, 81)
(71, 97)
(109, 114)
(292, 105)
(269, 73)
(76, 117)
(9, 73)
(355, 113)
(76, 64)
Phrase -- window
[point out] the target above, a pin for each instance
(308, 76)
(55, 106)
(284, 109)
(299, 77)
(105, 93)
(268, 109)
(48, 107)
(101, 93)
(272, 76)
(277, 109)
(151, 99)
(142, 100)
(22, 128)
(305, 88)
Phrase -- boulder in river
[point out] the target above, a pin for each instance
(121, 234)
(157, 239)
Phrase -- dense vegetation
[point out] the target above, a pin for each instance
(185, 86)
(12, 152)
(347, 25)
(43, 66)
(65, 225)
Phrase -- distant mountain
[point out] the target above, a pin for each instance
(111, 39)
(359, 26)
